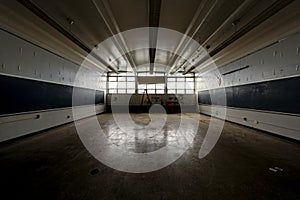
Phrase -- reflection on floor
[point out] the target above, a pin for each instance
(244, 164)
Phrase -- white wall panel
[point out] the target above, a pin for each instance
(20, 58)
(278, 61)
(278, 123)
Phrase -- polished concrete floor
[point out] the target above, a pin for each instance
(244, 164)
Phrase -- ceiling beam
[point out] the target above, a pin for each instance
(186, 40)
(40, 13)
(113, 27)
(228, 20)
(154, 14)
(264, 15)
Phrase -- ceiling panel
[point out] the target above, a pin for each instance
(162, 57)
(177, 14)
(81, 19)
(212, 22)
(218, 13)
(130, 14)
(140, 56)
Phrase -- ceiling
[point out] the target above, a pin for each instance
(226, 29)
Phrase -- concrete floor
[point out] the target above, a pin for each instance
(55, 165)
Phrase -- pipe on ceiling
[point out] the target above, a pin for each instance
(40, 13)
(267, 13)
(154, 14)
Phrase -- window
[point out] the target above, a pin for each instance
(125, 83)
(132, 79)
(189, 91)
(130, 91)
(150, 86)
(121, 83)
(172, 85)
(181, 85)
(140, 91)
(158, 88)
(122, 91)
(151, 91)
(112, 85)
(179, 91)
(131, 85)
(112, 79)
(112, 91)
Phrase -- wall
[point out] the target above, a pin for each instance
(37, 85)
(138, 103)
(262, 89)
